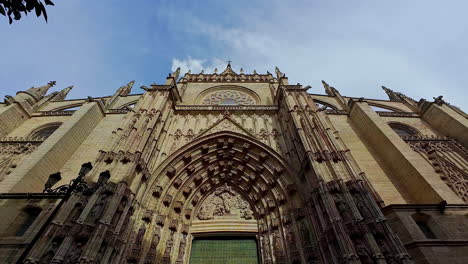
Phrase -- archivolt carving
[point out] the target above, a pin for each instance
(224, 202)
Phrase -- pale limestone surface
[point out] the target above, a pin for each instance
(301, 168)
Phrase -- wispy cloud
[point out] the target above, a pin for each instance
(356, 47)
(417, 47)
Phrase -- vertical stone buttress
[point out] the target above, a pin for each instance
(20, 107)
(342, 208)
(106, 226)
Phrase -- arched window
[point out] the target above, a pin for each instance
(380, 109)
(403, 130)
(45, 131)
(383, 108)
(324, 106)
(129, 105)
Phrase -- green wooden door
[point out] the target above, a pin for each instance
(222, 250)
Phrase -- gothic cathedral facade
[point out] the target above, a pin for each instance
(231, 167)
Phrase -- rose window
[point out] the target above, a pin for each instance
(228, 98)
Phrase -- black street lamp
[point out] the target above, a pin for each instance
(76, 185)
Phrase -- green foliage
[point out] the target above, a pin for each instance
(14, 8)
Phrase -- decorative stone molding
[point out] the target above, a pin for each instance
(54, 113)
(226, 108)
(397, 114)
(448, 158)
(229, 77)
(118, 111)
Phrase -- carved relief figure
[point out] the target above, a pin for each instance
(224, 202)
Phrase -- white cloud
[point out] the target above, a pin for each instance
(349, 45)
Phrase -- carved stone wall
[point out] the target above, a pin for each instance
(274, 167)
(13, 151)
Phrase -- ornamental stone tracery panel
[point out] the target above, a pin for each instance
(228, 97)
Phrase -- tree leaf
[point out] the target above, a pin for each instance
(38, 10)
(2, 11)
(17, 15)
(48, 2)
(29, 5)
(44, 12)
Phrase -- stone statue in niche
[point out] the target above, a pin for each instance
(224, 202)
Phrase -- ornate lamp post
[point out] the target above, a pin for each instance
(76, 185)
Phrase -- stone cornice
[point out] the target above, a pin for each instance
(420, 207)
(54, 113)
(397, 114)
(164, 87)
(436, 243)
(294, 88)
(226, 107)
(117, 111)
(36, 140)
(336, 112)
(247, 78)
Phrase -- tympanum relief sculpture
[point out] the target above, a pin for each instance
(225, 202)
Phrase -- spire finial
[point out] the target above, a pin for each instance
(279, 74)
(62, 94)
(175, 74)
(391, 94)
(228, 69)
(41, 91)
(125, 90)
(330, 91)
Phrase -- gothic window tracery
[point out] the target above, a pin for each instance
(403, 130)
(228, 97)
(45, 132)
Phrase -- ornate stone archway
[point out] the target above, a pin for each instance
(184, 183)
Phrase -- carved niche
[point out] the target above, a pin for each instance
(224, 202)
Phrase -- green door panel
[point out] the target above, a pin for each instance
(222, 250)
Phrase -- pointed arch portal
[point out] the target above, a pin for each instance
(225, 185)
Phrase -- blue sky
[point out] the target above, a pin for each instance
(416, 47)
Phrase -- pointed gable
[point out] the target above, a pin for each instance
(226, 124)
